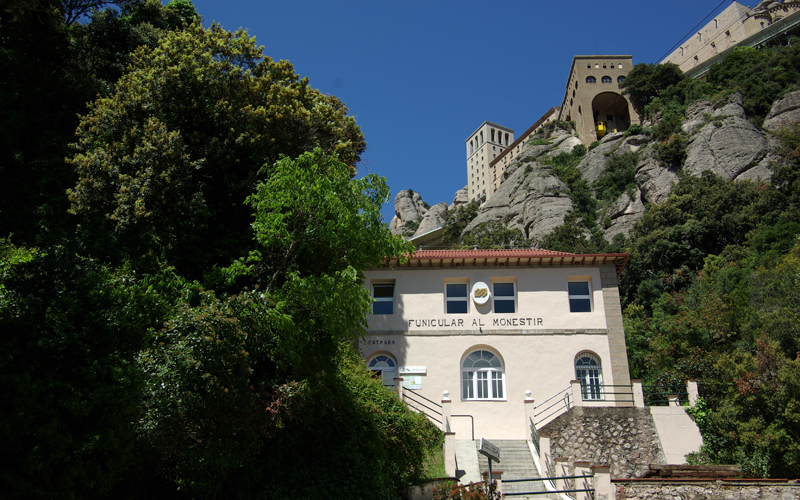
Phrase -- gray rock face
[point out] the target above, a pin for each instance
(461, 197)
(730, 150)
(534, 202)
(623, 214)
(407, 208)
(654, 181)
(595, 161)
(784, 112)
(433, 219)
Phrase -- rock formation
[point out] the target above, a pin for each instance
(720, 138)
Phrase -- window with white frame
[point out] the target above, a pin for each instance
(456, 298)
(505, 297)
(383, 298)
(482, 376)
(590, 373)
(385, 367)
(580, 297)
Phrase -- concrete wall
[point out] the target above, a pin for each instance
(623, 438)
(706, 490)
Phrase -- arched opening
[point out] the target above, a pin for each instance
(590, 372)
(614, 108)
(492, 135)
(385, 367)
(607, 79)
(482, 376)
(591, 79)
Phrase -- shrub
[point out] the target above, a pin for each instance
(635, 129)
(579, 150)
(594, 145)
(618, 177)
(673, 151)
(528, 169)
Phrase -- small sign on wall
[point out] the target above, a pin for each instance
(412, 381)
(413, 370)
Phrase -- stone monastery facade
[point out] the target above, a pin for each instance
(592, 100)
(489, 325)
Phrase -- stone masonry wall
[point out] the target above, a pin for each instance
(706, 490)
(623, 438)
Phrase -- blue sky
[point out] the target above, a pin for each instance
(420, 76)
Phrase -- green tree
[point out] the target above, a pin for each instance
(71, 390)
(456, 220)
(166, 162)
(242, 386)
(495, 235)
(646, 81)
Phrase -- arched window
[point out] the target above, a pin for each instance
(607, 79)
(482, 376)
(591, 79)
(385, 367)
(620, 79)
(590, 373)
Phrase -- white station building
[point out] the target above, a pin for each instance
(489, 325)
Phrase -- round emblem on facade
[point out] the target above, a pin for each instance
(480, 293)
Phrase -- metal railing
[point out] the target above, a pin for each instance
(587, 488)
(415, 404)
(562, 403)
(619, 393)
(658, 395)
(471, 419)
(534, 436)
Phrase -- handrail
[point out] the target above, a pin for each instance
(473, 423)
(534, 436)
(566, 399)
(423, 405)
(426, 414)
(553, 396)
(421, 396)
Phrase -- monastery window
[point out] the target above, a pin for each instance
(727, 32)
(591, 79)
(471, 148)
(620, 79)
(716, 24)
(695, 58)
(456, 298)
(589, 371)
(505, 297)
(384, 367)
(482, 376)
(596, 66)
(589, 66)
(580, 298)
(492, 135)
(506, 139)
(604, 65)
(620, 66)
(481, 137)
(607, 79)
(383, 298)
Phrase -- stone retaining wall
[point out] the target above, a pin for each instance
(706, 490)
(623, 438)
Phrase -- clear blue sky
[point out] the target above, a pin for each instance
(420, 76)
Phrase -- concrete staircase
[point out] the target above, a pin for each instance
(516, 462)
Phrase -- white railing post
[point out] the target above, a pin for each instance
(577, 397)
(449, 436)
(694, 394)
(638, 394)
(582, 468)
(544, 453)
(398, 385)
(602, 482)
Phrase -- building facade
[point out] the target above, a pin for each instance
(593, 96)
(489, 325)
(483, 146)
(736, 25)
(497, 166)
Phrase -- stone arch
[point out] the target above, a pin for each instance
(612, 104)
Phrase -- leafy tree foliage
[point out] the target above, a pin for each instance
(618, 176)
(646, 81)
(456, 220)
(166, 162)
(71, 331)
(495, 235)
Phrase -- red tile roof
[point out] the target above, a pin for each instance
(533, 257)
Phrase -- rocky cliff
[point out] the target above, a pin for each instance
(720, 139)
